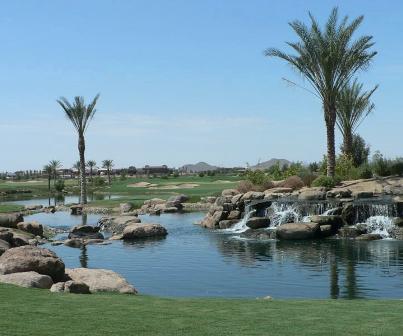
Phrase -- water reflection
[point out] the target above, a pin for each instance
(192, 261)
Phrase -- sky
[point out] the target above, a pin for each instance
(180, 81)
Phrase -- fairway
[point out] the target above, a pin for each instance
(39, 312)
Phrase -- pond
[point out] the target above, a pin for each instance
(57, 200)
(195, 262)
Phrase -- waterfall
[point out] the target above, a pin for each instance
(281, 213)
(367, 210)
(241, 225)
(382, 225)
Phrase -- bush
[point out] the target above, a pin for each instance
(365, 172)
(201, 174)
(294, 182)
(98, 181)
(245, 186)
(380, 165)
(59, 185)
(326, 181)
(176, 174)
(396, 167)
(257, 177)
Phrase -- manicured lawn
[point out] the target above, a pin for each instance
(10, 208)
(39, 312)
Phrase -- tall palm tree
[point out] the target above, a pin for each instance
(91, 164)
(49, 172)
(80, 116)
(353, 106)
(55, 165)
(328, 58)
(108, 165)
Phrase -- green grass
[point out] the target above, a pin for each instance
(10, 208)
(39, 312)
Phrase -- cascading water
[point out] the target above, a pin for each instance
(281, 213)
(241, 225)
(381, 225)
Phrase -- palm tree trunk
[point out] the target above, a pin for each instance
(83, 180)
(330, 119)
(348, 144)
(49, 178)
(109, 177)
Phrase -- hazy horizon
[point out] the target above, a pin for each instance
(180, 82)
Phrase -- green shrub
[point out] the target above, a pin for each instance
(99, 181)
(201, 174)
(380, 165)
(326, 181)
(59, 185)
(257, 177)
(396, 167)
(176, 174)
(365, 172)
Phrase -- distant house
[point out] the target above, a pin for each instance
(155, 170)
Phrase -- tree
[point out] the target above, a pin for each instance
(360, 150)
(77, 166)
(48, 171)
(108, 165)
(353, 106)
(80, 116)
(91, 164)
(55, 165)
(328, 58)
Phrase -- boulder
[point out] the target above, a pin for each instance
(33, 207)
(170, 209)
(258, 222)
(76, 287)
(75, 243)
(4, 246)
(259, 234)
(101, 280)
(229, 192)
(212, 221)
(126, 207)
(310, 194)
(334, 221)
(31, 258)
(117, 224)
(298, 231)
(28, 279)
(136, 231)
(76, 209)
(348, 213)
(6, 235)
(227, 223)
(335, 211)
(252, 196)
(85, 231)
(339, 193)
(32, 227)
(10, 220)
(57, 287)
(234, 214)
(236, 199)
(278, 190)
(326, 230)
(398, 221)
(369, 236)
(363, 194)
(21, 239)
(176, 201)
(349, 232)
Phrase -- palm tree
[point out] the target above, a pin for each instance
(80, 115)
(54, 165)
(91, 164)
(48, 171)
(353, 106)
(108, 164)
(77, 166)
(328, 58)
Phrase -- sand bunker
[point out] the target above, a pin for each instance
(139, 185)
(177, 186)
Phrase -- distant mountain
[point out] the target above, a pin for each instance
(198, 167)
(270, 163)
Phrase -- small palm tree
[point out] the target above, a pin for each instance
(328, 58)
(49, 172)
(91, 164)
(353, 106)
(108, 165)
(80, 116)
(54, 165)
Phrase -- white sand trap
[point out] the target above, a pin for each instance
(139, 185)
(221, 181)
(177, 186)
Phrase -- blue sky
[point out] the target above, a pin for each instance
(180, 81)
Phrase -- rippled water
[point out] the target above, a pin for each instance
(192, 261)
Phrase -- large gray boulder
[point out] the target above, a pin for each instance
(136, 231)
(85, 231)
(4, 246)
(118, 223)
(10, 220)
(31, 227)
(31, 258)
(229, 192)
(28, 279)
(333, 220)
(258, 222)
(101, 280)
(298, 231)
(126, 207)
(176, 201)
(316, 193)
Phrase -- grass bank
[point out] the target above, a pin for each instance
(39, 312)
(10, 208)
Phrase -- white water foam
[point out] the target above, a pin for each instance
(382, 225)
(241, 225)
